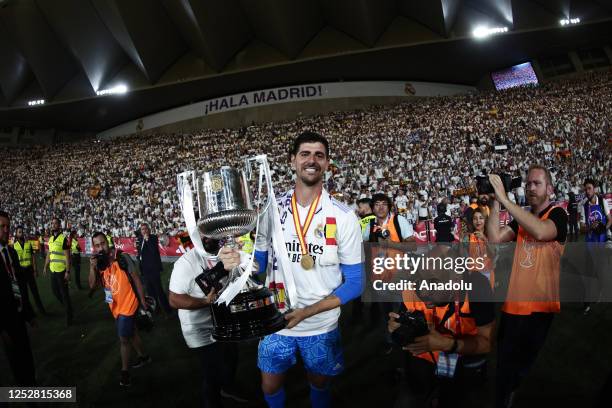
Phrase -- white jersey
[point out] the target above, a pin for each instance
(196, 324)
(319, 282)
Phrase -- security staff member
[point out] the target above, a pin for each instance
(75, 257)
(443, 225)
(533, 292)
(15, 311)
(364, 211)
(58, 261)
(25, 252)
(109, 239)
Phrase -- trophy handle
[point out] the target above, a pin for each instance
(265, 178)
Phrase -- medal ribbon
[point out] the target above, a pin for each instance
(300, 229)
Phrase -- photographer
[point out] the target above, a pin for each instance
(218, 360)
(110, 270)
(447, 337)
(533, 293)
(386, 227)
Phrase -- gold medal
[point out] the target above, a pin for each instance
(307, 261)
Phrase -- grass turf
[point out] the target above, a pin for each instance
(570, 370)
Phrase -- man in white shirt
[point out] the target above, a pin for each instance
(401, 202)
(218, 360)
(323, 241)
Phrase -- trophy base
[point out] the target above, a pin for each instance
(251, 315)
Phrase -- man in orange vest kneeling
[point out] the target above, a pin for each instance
(446, 325)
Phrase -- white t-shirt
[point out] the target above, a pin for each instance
(315, 284)
(401, 201)
(196, 324)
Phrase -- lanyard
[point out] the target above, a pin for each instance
(300, 229)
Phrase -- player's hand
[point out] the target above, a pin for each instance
(295, 317)
(230, 258)
(434, 341)
(393, 325)
(498, 186)
(67, 276)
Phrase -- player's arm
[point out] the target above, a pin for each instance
(347, 291)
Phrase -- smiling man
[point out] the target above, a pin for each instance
(323, 240)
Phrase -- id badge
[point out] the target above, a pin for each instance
(447, 364)
(17, 294)
(108, 296)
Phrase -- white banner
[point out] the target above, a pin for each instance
(287, 94)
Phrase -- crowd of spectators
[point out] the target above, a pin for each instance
(430, 148)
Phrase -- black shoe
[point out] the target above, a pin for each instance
(234, 394)
(125, 380)
(142, 361)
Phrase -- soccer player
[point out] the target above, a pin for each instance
(323, 241)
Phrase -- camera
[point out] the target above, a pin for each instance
(102, 260)
(483, 185)
(212, 278)
(413, 325)
(381, 233)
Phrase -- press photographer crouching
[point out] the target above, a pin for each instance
(123, 293)
(193, 285)
(447, 335)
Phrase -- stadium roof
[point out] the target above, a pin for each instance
(174, 52)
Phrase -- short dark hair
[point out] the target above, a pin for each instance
(5, 215)
(382, 197)
(590, 181)
(56, 218)
(309, 137)
(19, 227)
(98, 234)
(364, 201)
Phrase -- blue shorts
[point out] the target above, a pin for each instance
(125, 325)
(321, 353)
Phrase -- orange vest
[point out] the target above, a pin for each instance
(466, 327)
(478, 248)
(394, 234)
(124, 299)
(534, 281)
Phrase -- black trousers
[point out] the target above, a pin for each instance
(519, 341)
(31, 282)
(75, 261)
(19, 353)
(422, 387)
(573, 227)
(154, 288)
(219, 362)
(59, 287)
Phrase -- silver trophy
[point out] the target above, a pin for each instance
(227, 210)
